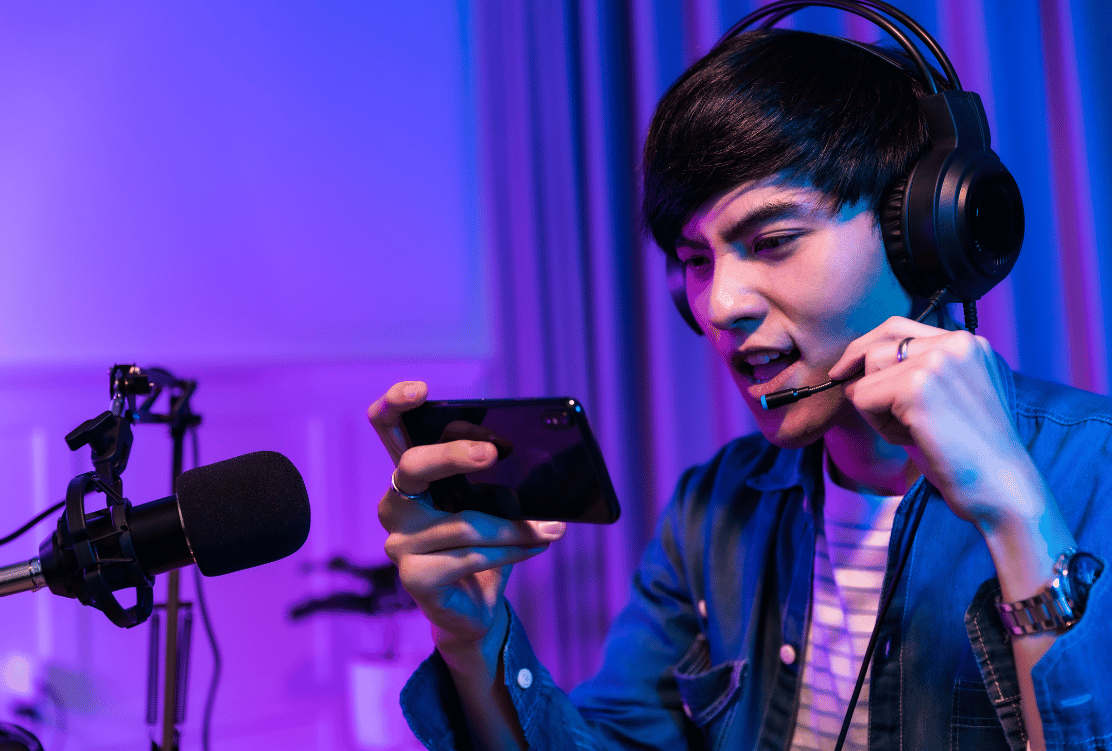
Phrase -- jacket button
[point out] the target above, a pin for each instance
(702, 607)
(787, 654)
(687, 711)
(524, 678)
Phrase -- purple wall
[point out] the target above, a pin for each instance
(279, 201)
(249, 182)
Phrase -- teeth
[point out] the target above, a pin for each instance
(762, 359)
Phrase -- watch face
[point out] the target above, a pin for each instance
(1085, 568)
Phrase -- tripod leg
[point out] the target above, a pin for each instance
(185, 632)
(153, 669)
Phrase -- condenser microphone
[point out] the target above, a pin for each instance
(225, 517)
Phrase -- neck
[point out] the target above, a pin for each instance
(862, 461)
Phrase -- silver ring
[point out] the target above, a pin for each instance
(901, 350)
(402, 493)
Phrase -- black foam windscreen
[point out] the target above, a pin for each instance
(243, 512)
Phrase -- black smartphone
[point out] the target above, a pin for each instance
(549, 465)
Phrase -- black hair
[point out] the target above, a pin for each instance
(820, 110)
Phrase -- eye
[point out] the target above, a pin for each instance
(693, 260)
(772, 242)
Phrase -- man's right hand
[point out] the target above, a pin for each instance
(455, 566)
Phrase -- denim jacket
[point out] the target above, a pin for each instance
(708, 652)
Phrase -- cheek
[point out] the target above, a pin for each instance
(858, 294)
(881, 297)
(697, 290)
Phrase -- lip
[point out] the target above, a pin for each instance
(756, 390)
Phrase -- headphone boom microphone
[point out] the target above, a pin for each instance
(228, 516)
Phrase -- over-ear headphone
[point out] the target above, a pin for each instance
(955, 222)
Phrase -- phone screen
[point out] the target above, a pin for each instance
(549, 465)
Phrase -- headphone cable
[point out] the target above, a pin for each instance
(883, 610)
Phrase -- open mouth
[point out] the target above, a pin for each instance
(763, 372)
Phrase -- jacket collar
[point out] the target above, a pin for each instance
(787, 468)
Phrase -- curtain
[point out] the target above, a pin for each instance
(564, 93)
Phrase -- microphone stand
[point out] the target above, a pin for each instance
(110, 555)
(176, 655)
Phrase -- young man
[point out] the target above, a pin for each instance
(765, 167)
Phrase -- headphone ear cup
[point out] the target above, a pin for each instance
(895, 246)
(961, 222)
(677, 287)
(959, 225)
(982, 226)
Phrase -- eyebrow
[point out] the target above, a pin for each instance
(769, 212)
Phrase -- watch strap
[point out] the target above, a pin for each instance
(1051, 609)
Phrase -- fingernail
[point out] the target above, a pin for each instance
(410, 391)
(479, 452)
(553, 528)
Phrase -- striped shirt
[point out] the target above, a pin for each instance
(851, 551)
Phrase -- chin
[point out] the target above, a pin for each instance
(791, 439)
(802, 423)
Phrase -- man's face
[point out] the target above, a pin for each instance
(780, 287)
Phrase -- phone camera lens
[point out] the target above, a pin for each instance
(556, 419)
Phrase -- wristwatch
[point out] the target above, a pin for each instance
(1061, 603)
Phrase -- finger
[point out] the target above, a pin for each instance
(880, 356)
(475, 529)
(903, 351)
(417, 468)
(898, 401)
(421, 465)
(897, 351)
(887, 337)
(957, 363)
(401, 488)
(441, 569)
(385, 414)
(853, 358)
(882, 399)
(406, 516)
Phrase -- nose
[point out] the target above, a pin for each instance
(733, 299)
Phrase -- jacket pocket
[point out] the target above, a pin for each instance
(974, 724)
(709, 692)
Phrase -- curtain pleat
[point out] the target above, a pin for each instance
(1072, 209)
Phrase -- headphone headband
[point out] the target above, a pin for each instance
(867, 9)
